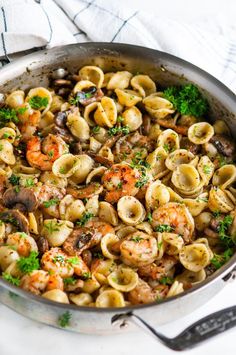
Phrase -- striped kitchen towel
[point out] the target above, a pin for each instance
(28, 25)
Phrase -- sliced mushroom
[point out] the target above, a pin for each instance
(100, 159)
(92, 94)
(186, 144)
(86, 191)
(22, 199)
(43, 245)
(224, 145)
(81, 239)
(17, 219)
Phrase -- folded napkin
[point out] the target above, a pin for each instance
(28, 25)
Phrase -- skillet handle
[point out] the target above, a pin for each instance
(196, 333)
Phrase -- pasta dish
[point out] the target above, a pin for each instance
(114, 191)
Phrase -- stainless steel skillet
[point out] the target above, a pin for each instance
(33, 70)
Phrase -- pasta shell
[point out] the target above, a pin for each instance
(173, 243)
(78, 126)
(59, 234)
(157, 106)
(178, 157)
(89, 113)
(130, 210)
(156, 159)
(200, 133)
(108, 213)
(120, 80)
(194, 257)
(132, 118)
(175, 289)
(82, 85)
(128, 98)
(206, 169)
(95, 174)
(224, 176)
(169, 140)
(84, 165)
(196, 206)
(92, 73)
(106, 245)
(106, 112)
(143, 84)
(6, 152)
(156, 195)
(15, 99)
(41, 92)
(81, 299)
(191, 277)
(186, 177)
(66, 165)
(56, 295)
(123, 279)
(110, 298)
(219, 201)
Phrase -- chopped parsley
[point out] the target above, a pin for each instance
(62, 170)
(165, 280)
(187, 100)
(64, 319)
(29, 182)
(74, 100)
(202, 199)
(149, 217)
(52, 202)
(6, 135)
(136, 239)
(168, 148)
(116, 130)
(96, 129)
(38, 102)
(142, 181)
(86, 275)
(222, 230)
(120, 119)
(219, 260)
(74, 260)
(69, 281)
(52, 226)
(51, 154)
(17, 188)
(119, 185)
(159, 245)
(22, 110)
(29, 263)
(14, 180)
(163, 228)
(85, 218)
(207, 169)
(222, 160)
(13, 280)
(59, 259)
(8, 115)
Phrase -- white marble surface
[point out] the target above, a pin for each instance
(20, 336)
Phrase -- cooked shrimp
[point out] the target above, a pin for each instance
(85, 192)
(120, 180)
(138, 249)
(52, 148)
(35, 282)
(159, 269)
(29, 126)
(55, 260)
(142, 293)
(80, 268)
(177, 217)
(23, 243)
(48, 192)
(100, 226)
(55, 282)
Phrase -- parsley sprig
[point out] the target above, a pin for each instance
(38, 102)
(118, 129)
(64, 319)
(85, 218)
(163, 228)
(13, 280)
(187, 100)
(29, 263)
(219, 260)
(52, 202)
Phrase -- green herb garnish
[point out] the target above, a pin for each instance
(59, 259)
(13, 280)
(165, 280)
(136, 239)
(149, 217)
(115, 130)
(52, 226)
(207, 169)
(69, 281)
(187, 100)
(64, 319)
(29, 182)
(85, 218)
(222, 230)
(29, 263)
(86, 275)
(96, 129)
(74, 260)
(163, 228)
(219, 260)
(52, 202)
(14, 180)
(8, 115)
(38, 102)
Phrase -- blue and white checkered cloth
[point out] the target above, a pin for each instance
(31, 24)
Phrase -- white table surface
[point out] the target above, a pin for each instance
(20, 336)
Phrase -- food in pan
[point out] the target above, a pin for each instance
(114, 191)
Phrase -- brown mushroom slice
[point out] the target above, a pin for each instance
(81, 239)
(22, 199)
(224, 145)
(100, 159)
(86, 191)
(17, 219)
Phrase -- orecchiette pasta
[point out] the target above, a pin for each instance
(113, 193)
